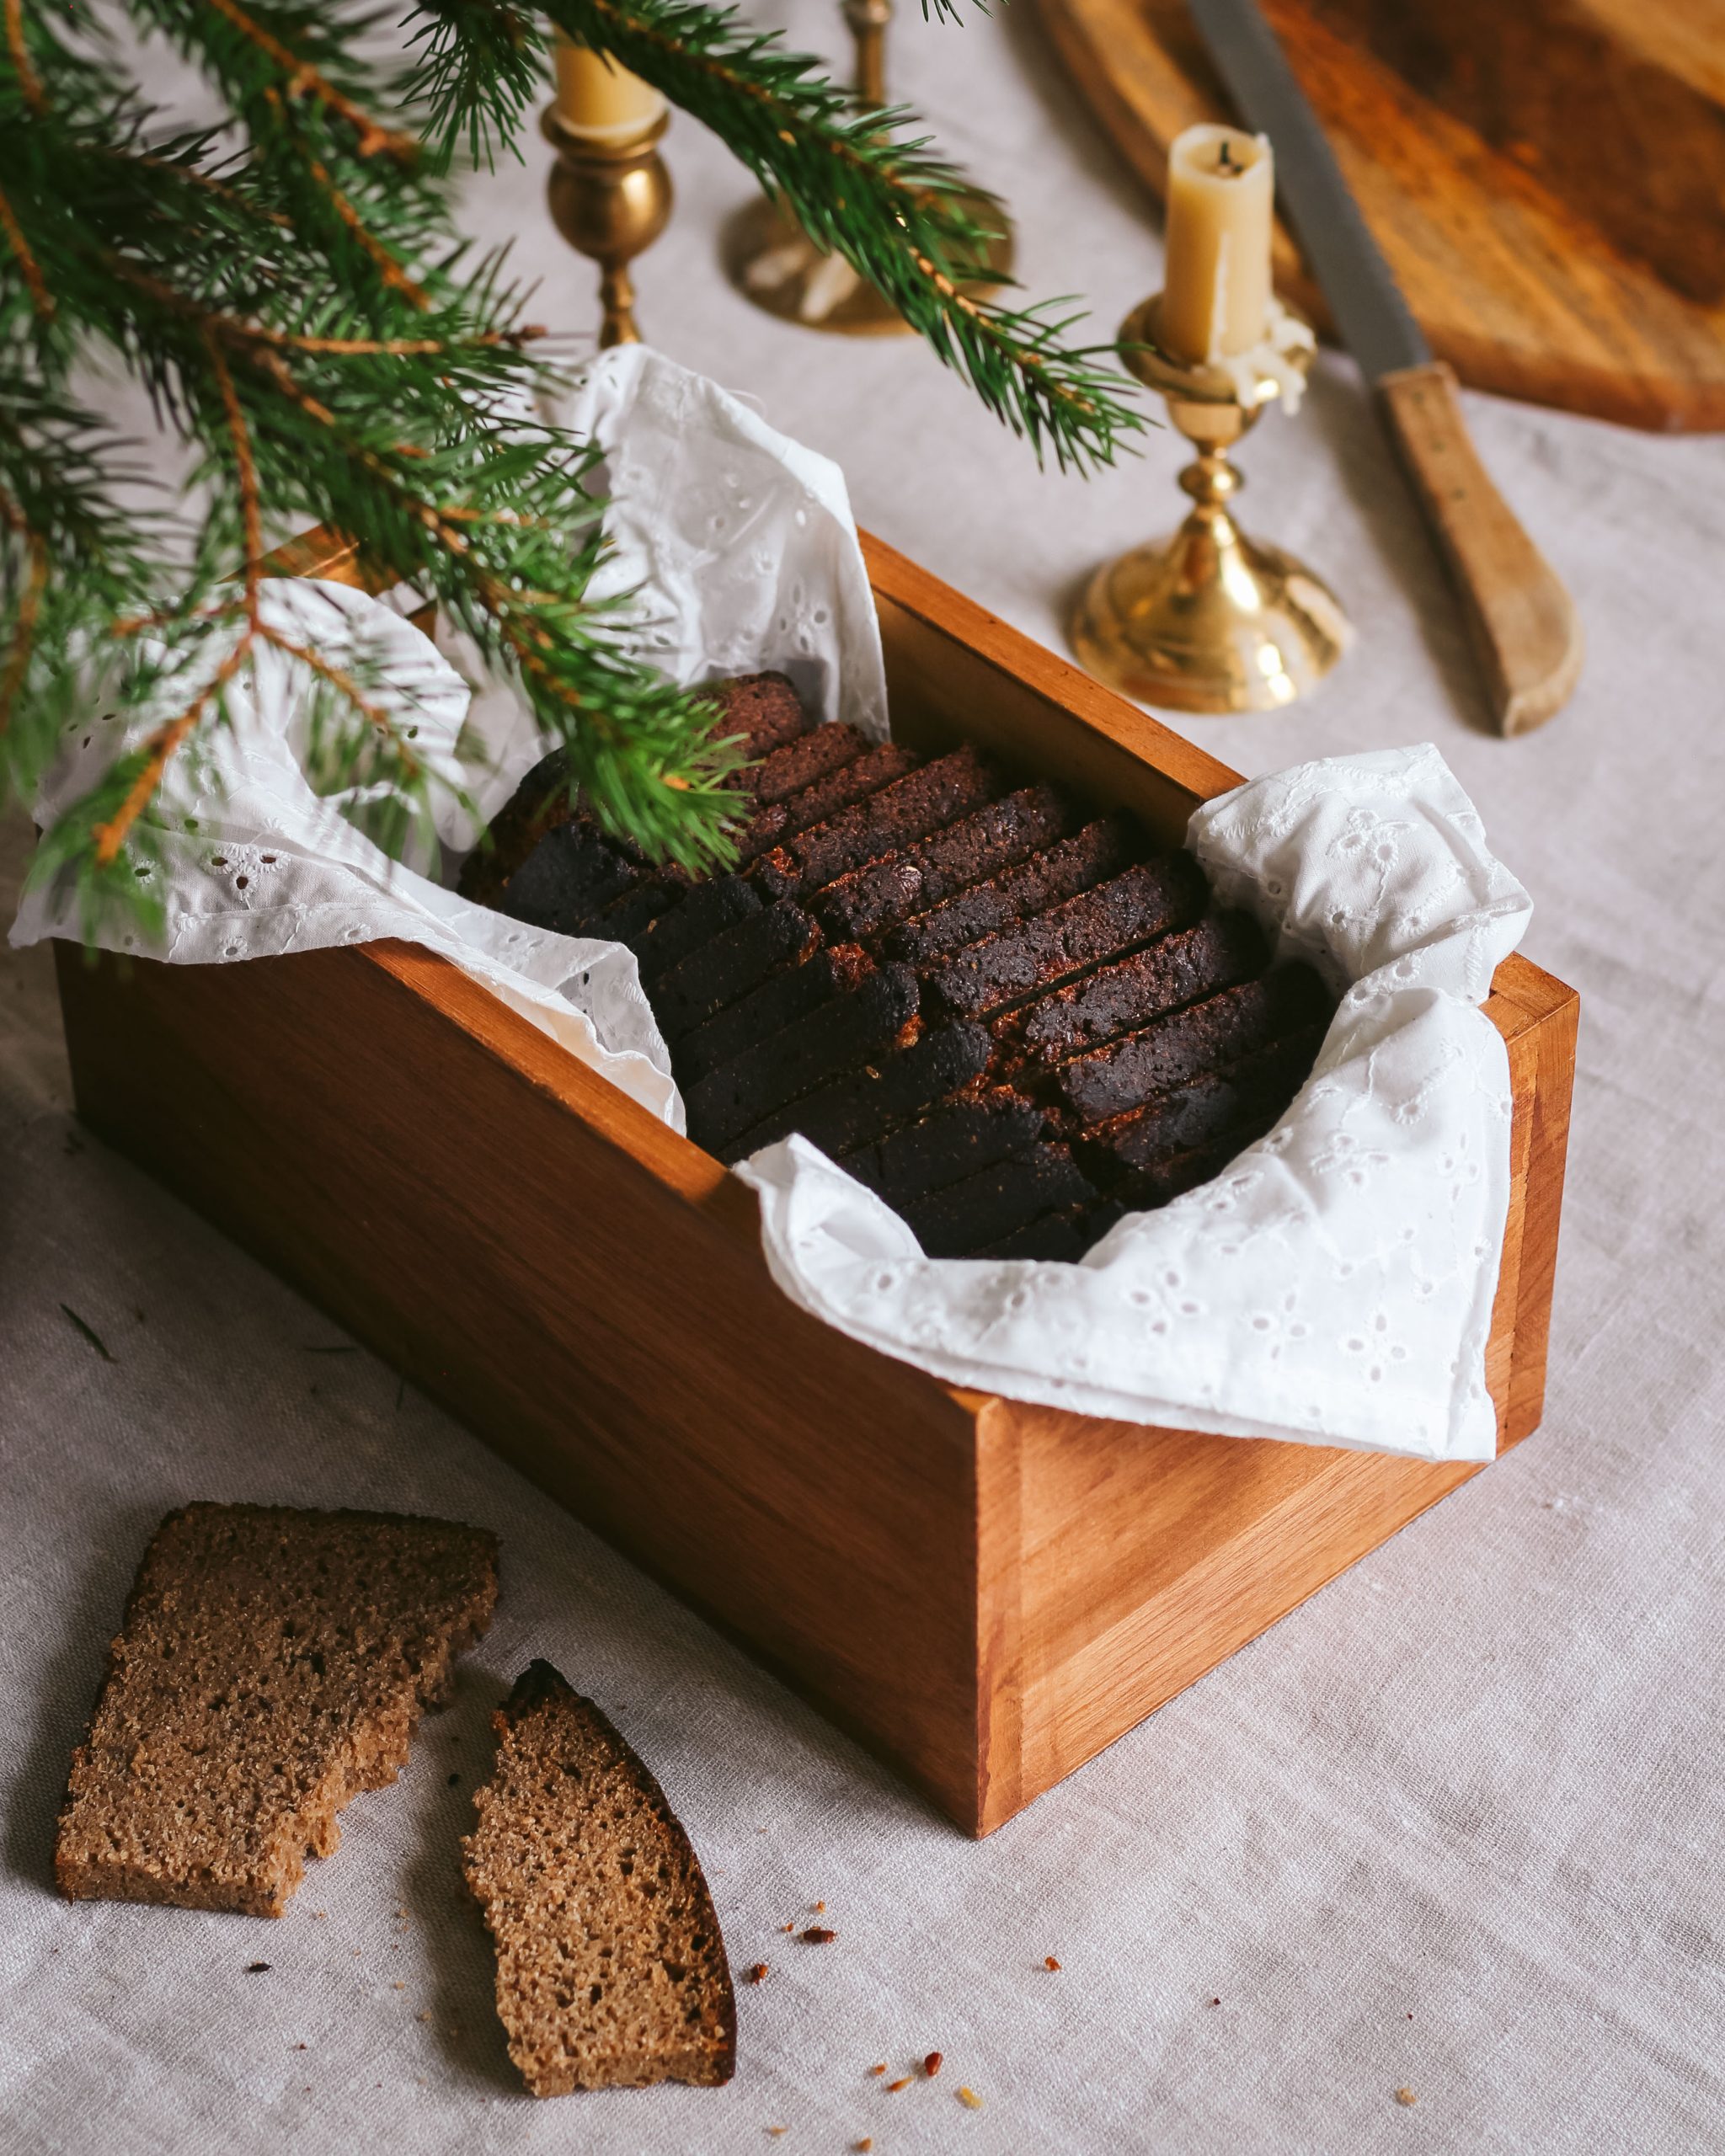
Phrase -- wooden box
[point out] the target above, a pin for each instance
(986, 1593)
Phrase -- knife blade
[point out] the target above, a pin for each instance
(1524, 626)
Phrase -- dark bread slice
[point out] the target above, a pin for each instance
(272, 1664)
(544, 798)
(1123, 1075)
(982, 1208)
(1090, 857)
(875, 1017)
(610, 1967)
(1176, 1173)
(800, 764)
(866, 1104)
(1102, 923)
(947, 1144)
(686, 995)
(1204, 1108)
(568, 880)
(781, 1000)
(895, 816)
(1214, 954)
(867, 900)
(709, 909)
(1061, 1237)
(839, 789)
(762, 711)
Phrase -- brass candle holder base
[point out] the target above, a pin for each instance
(773, 262)
(609, 198)
(1210, 621)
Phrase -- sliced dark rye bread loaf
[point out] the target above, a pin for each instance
(610, 1967)
(1174, 1174)
(1100, 924)
(1101, 849)
(730, 965)
(760, 711)
(781, 1000)
(1204, 1037)
(1182, 967)
(969, 1215)
(272, 1664)
(840, 1036)
(1062, 1237)
(949, 1142)
(1203, 1110)
(895, 817)
(710, 909)
(868, 900)
(866, 1104)
(802, 763)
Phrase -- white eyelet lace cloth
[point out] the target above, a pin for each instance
(1335, 1283)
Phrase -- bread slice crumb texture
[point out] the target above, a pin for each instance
(610, 1967)
(272, 1663)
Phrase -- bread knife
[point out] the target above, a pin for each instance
(1524, 626)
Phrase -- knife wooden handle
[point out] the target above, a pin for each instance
(1523, 626)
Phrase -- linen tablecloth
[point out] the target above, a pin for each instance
(1452, 1828)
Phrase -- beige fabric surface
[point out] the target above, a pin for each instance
(1454, 1826)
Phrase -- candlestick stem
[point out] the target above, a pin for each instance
(610, 198)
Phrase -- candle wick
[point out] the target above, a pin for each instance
(1225, 160)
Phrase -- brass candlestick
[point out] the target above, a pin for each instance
(1211, 620)
(609, 198)
(774, 263)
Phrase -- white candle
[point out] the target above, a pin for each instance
(597, 98)
(1217, 285)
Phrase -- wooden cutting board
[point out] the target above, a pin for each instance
(1546, 177)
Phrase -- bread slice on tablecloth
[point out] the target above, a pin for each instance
(610, 1967)
(272, 1664)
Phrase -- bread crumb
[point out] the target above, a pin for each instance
(424, 2014)
(257, 1968)
(757, 1972)
(864, 2145)
(881, 2068)
(1407, 2098)
(776, 2131)
(1050, 1963)
(817, 1934)
(398, 1986)
(894, 2087)
(969, 2099)
(1216, 2002)
(819, 1909)
(931, 2065)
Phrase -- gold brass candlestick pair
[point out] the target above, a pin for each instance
(610, 198)
(1210, 621)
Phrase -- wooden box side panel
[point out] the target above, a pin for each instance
(480, 1211)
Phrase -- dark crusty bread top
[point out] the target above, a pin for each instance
(272, 1664)
(610, 1967)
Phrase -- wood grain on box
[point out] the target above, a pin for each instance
(1545, 178)
(986, 1593)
